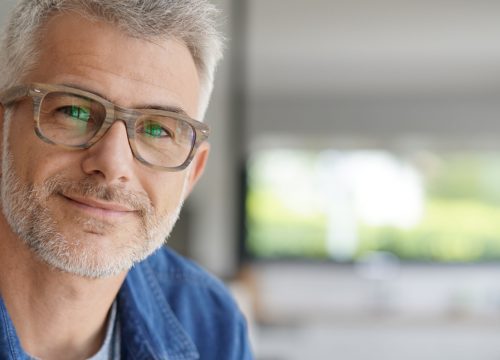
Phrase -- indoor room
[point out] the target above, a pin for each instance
(351, 200)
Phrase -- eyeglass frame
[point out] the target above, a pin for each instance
(38, 91)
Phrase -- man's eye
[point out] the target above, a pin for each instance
(76, 112)
(155, 130)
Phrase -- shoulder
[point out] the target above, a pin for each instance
(172, 270)
(200, 302)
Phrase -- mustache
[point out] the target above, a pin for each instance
(89, 188)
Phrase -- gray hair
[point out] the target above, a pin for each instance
(190, 21)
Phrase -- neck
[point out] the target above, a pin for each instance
(56, 315)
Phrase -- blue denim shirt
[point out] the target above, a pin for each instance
(168, 308)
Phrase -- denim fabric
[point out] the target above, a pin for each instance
(168, 308)
(10, 348)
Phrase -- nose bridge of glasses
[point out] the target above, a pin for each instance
(127, 116)
(116, 114)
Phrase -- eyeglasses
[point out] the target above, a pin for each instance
(74, 118)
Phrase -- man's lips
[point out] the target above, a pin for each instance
(99, 207)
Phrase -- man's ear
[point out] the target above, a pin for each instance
(197, 166)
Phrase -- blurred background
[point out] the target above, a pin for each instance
(352, 197)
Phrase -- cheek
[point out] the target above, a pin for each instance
(34, 160)
(23, 144)
(23, 150)
(166, 192)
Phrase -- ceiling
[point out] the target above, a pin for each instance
(373, 46)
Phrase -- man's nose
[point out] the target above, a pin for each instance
(111, 157)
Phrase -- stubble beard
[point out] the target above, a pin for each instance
(25, 209)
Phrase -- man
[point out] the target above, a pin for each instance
(99, 150)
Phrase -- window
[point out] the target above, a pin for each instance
(439, 206)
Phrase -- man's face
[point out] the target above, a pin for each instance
(94, 212)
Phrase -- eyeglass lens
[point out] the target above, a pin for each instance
(73, 120)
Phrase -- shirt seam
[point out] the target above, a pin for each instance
(162, 303)
(139, 330)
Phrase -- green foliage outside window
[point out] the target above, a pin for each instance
(460, 221)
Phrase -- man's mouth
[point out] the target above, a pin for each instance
(98, 207)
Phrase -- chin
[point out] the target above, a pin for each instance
(94, 255)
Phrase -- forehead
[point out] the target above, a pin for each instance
(127, 70)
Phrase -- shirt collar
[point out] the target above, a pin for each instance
(149, 328)
(10, 347)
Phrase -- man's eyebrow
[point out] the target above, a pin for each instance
(169, 108)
